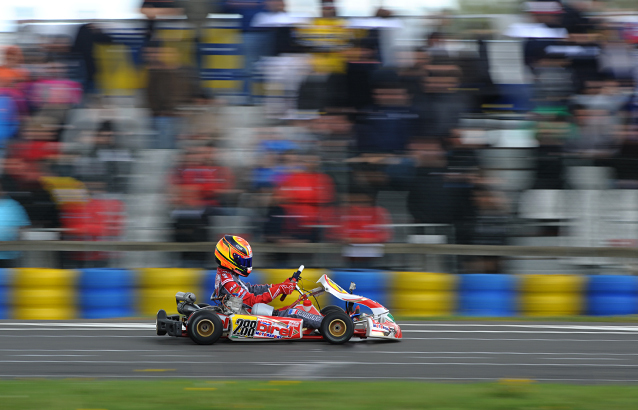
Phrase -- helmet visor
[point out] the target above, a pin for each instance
(242, 262)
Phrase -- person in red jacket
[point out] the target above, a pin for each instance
(235, 259)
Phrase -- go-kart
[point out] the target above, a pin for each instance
(228, 318)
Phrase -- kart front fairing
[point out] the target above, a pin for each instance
(380, 325)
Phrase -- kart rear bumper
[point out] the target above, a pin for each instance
(172, 325)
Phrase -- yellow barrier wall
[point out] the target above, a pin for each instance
(551, 295)
(423, 293)
(44, 294)
(158, 286)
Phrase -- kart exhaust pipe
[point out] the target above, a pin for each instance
(186, 297)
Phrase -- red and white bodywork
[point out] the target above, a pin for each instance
(380, 325)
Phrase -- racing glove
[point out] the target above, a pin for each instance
(281, 289)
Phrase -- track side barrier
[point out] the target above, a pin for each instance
(44, 294)
(40, 294)
(551, 295)
(106, 293)
(612, 295)
(487, 295)
(423, 293)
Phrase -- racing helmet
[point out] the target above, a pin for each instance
(235, 254)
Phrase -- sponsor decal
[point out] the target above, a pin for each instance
(250, 327)
(270, 330)
(335, 286)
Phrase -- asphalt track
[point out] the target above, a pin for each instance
(434, 351)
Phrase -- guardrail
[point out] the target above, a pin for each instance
(328, 248)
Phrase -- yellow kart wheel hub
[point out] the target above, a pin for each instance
(205, 328)
(337, 327)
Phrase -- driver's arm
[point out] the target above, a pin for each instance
(248, 298)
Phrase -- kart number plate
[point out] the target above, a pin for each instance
(243, 327)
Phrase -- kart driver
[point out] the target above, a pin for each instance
(235, 258)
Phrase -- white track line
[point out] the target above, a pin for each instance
(521, 332)
(531, 326)
(97, 325)
(361, 352)
(507, 353)
(341, 363)
(147, 325)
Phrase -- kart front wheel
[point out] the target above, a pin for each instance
(331, 308)
(205, 327)
(337, 327)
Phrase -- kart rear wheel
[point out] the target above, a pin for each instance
(160, 328)
(205, 327)
(337, 327)
(331, 308)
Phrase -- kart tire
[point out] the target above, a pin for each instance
(205, 327)
(331, 308)
(160, 328)
(337, 327)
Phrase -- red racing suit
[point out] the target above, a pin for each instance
(229, 283)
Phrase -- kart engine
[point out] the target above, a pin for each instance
(185, 301)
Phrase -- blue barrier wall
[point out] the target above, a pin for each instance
(372, 284)
(5, 284)
(487, 295)
(612, 295)
(106, 293)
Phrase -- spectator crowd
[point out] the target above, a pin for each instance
(345, 117)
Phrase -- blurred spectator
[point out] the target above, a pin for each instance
(360, 223)
(201, 119)
(84, 47)
(277, 26)
(96, 219)
(360, 68)
(552, 133)
(388, 125)
(439, 103)
(490, 226)
(13, 219)
(22, 181)
(213, 184)
(413, 67)
(38, 141)
(336, 143)
(105, 163)
(153, 9)
(433, 198)
(305, 195)
(190, 222)
(255, 39)
(9, 121)
(625, 160)
(169, 86)
(553, 81)
(12, 72)
(326, 38)
(593, 132)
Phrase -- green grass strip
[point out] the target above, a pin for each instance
(162, 394)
